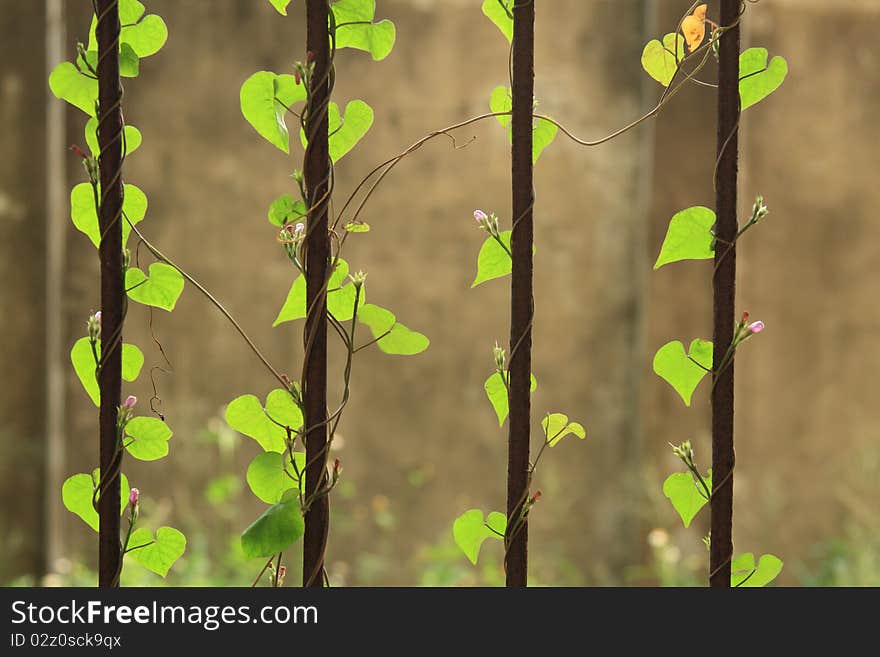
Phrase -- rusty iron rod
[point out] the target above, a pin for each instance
(724, 306)
(110, 127)
(317, 171)
(521, 305)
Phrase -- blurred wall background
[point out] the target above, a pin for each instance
(420, 442)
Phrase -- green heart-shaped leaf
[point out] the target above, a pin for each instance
(265, 98)
(69, 84)
(148, 438)
(270, 475)
(659, 59)
(393, 337)
(132, 135)
(161, 289)
(280, 526)
(77, 492)
(156, 554)
(85, 218)
(295, 304)
(758, 79)
(83, 362)
(493, 261)
(280, 6)
(129, 64)
(496, 391)
(689, 237)
(470, 530)
(500, 12)
(556, 427)
(543, 132)
(284, 210)
(355, 28)
(246, 415)
(345, 132)
(679, 370)
(686, 494)
(744, 573)
(145, 34)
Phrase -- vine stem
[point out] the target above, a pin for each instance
(724, 289)
(110, 125)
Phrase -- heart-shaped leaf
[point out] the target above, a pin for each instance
(556, 427)
(393, 337)
(496, 391)
(145, 34)
(280, 526)
(280, 6)
(284, 210)
(68, 83)
(161, 289)
(345, 131)
(493, 261)
(84, 365)
(270, 475)
(355, 28)
(156, 554)
(470, 530)
(758, 79)
(744, 572)
(265, 99)
(295, 304)
(543, 131)
(659, 59)
(77, 492)
(679, 369)
(246, 415)
(132, 136)
(500, 12)
(689, 237)
(147, 438)
(85, 218)
(686, 494)
(129, 64)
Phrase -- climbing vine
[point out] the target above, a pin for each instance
(142, 437)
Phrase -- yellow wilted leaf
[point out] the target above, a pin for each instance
(694, 28)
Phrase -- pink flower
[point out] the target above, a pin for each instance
(480, 217)
(129, 402)
(98, 317)
(756, 327)
(133, 496)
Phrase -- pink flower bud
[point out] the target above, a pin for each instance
(756, 327)
(536, 497)
(297, 76)
(129, 403)
(133, 496)
(98, 317)
(480, 217)
(76, 150)
(745, 319)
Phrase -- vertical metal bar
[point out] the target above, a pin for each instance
(317, 253)
(724, 310)
(56, 230)
(112, 287)
(522, 306)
